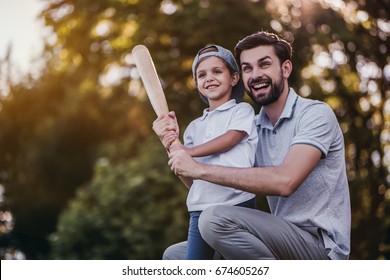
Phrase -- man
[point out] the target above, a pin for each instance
(300, 166)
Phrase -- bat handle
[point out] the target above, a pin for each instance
(175, 142)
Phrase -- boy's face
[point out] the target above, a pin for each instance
(262, 74)
(214, 80)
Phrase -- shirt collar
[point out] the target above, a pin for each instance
(225, 106)
(262, 118)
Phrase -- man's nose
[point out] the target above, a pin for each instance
(257, 73)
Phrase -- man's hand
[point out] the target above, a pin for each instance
(182, 164)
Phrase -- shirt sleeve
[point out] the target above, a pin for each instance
(188, 136)
(318, 127)
(242, 119)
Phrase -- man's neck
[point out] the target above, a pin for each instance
(275, 109)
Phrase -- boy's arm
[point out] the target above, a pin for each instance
(217, 145)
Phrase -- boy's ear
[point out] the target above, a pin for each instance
(235, 78)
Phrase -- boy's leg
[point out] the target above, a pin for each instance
(197, 248)
(242, 233)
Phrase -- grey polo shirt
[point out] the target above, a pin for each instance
(321, 204)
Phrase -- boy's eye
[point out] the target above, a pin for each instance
(201, 75)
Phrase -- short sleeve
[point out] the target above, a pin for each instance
(188, 136)
(243, 118)
(317, 126)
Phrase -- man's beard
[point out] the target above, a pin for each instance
(273, 95)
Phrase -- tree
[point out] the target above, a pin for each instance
(132, 209)
(90, 99)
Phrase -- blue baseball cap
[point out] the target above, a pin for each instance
(218, 51)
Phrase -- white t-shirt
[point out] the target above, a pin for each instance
(229, 116)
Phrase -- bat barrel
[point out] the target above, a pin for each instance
(147, 71)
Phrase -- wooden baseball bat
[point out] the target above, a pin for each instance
(145, 66)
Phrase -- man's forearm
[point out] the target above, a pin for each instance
(282, 180)
(258, 180)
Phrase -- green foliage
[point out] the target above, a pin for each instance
(80, 163)
(48, 141)
(132, 209)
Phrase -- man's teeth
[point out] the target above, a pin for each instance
(260, 86)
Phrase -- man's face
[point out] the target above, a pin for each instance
(262, 74)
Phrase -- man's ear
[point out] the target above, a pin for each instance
(287, 68)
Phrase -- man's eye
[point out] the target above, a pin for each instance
(265, 65)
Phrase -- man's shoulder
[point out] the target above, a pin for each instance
(305, 101)
(311, 106)
(315, 114)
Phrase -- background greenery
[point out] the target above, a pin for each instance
(82, 174)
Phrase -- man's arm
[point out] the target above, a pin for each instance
(282, 180)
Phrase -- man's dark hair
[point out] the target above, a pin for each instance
(282, 48)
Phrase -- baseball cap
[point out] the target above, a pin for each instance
(226, 55)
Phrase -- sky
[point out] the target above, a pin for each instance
(20, 28)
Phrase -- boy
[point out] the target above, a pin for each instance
(225, 134)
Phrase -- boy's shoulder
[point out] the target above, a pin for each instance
(245, 106)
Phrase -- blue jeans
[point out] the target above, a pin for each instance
(197, 248)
